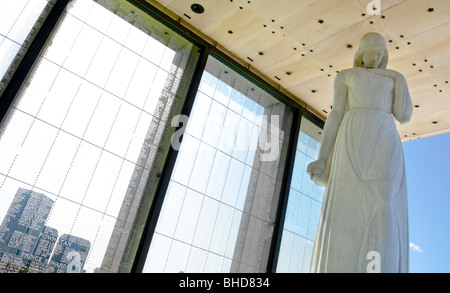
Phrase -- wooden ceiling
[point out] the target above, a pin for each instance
(300, 45)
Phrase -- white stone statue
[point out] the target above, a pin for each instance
(364, 222)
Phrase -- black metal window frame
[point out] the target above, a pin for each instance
(30, 57)
(32, 54)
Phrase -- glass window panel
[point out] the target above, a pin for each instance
(208, 84)
(59, 98)
(313, 218)
(222, 225)
(203, 165)
(199, 116)
(214, 263)
(317, 193)
(33, 152)
(14, 136)
(291, 218)
(122, 73)
(241, 143)
(174, 200)
(298, 172)
(313, 148)
(214, 124)
(99, 18)
(124, 129)
(106, 112)
(186, 159)
(120, 188)
(141, 83)
(34, 95)
(8, 51)
(285, 254)
(205, 225)
(25, 20)
(221, 160)
(303, 207)
(229, 132)
(250, 109)
(82, 109)
(63, 41)
(233, 182)
(102, 182)
(233, 236)
(83, 50)
(307, 183)
(63, 209)
(104, 58)
(58, 163)
(105, 226)
(180, 252)
(222, 93)
(216, 181)
(252, 144)
(237, 101)
(80, 172)
(302, 142)
(136, 40)
(196, 261)
(154, 51)
(139, 136)
(190, 210)
(118, 30)
(168, 60)
(156, 90)
(86, 137)
(244, 188)
(19, 22)
(159, 254)
(87, 224)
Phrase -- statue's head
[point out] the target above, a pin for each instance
(372, 52)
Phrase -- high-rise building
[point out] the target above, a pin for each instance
(24, 222)
(70, 254)
(26, 242)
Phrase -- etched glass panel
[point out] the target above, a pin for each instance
(19, 22)
(221, 202)
(303, 207)
(86, 137)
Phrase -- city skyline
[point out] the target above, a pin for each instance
(28, 242)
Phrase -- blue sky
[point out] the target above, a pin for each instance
(427, 168)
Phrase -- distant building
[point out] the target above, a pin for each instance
(70, 254)
(26, 242)
(45, 245)
(24, 222)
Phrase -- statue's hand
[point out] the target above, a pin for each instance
(315, 169)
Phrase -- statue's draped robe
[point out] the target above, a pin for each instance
(365, 202)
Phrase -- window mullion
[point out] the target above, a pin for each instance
(30, 57)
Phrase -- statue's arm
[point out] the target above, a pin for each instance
(316, 168)
(402, 106)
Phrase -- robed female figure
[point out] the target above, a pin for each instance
(363, 225)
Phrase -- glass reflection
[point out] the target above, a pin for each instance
(19, 21)
(218, 210)
(304, 206)
(85, 139)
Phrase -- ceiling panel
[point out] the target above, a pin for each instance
(301, 45)
(322, 19)
(414, 17)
